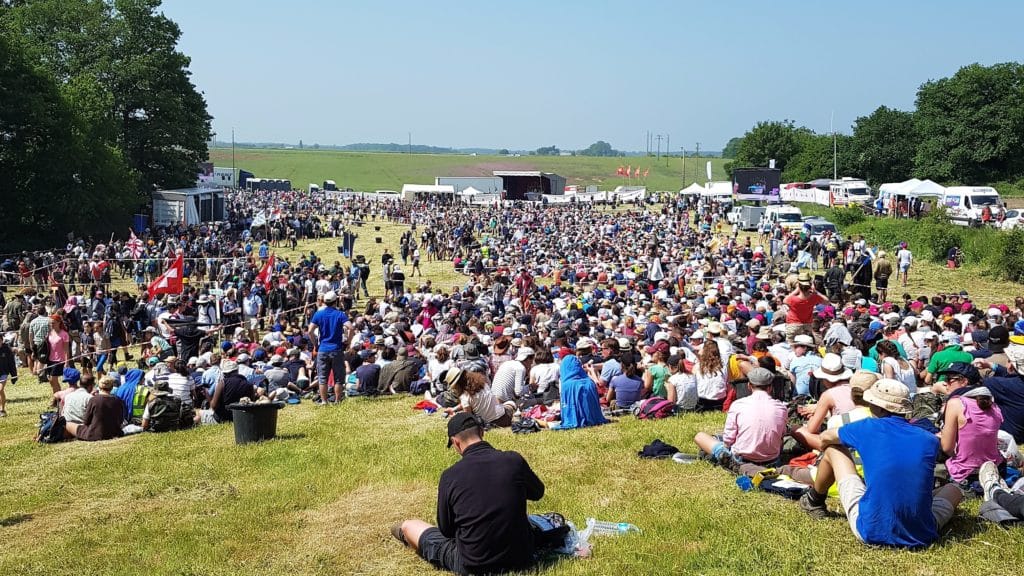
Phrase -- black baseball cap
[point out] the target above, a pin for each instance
(460, 423)
(963, 369)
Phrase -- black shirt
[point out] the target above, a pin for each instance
(481, 502)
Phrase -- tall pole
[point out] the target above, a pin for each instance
(658, 138)
(696, 169)
(682, 154)
(835, 161)
(668, 147)
(234, 177)
(410, 143)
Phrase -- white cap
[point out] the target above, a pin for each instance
(331, 296)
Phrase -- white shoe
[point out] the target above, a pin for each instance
(988, 477)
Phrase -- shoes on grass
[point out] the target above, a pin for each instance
(813, 509)
(396, 531)
(988, 476)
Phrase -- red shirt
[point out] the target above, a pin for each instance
(801, 308)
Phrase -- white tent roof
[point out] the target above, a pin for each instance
(717, 189)
(692, 190)
(428, 189)
(926, 188)
(470, 191)
(898, 188)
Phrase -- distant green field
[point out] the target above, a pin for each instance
(378, 171)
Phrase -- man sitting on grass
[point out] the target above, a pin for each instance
(893, 504)
(753, 430)
(482, 527)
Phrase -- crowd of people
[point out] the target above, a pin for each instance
(566, 316)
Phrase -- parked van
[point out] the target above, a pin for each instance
(789, 217)
(313, 188)
(965, 204)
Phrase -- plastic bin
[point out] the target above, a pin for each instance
(255, 422)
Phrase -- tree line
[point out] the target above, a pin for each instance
(98, 111)
(967, 129)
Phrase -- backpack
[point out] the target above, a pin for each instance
(655, 407)
(51, 428)
(164, 413)
(549, 530)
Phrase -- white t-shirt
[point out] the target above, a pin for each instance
(686, 390)
(75, 404)
(904, 257)
(545, 375)
(710, 386)
(483, 404)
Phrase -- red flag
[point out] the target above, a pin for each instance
(134, 245)
(618, 171)
(636, 172)
(264, 277)
(169, 282)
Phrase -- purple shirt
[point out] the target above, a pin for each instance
(754, 427)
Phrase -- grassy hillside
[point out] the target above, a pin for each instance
(374, 171)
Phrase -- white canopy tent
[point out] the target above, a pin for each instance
(926, 189)
(719, 190)
(692, 190)
(409, 191)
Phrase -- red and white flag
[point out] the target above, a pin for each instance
(629, 170)
(264, 278)
(170, 281)
(646, 172)
(134, 245)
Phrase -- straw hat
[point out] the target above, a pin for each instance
(889, 395)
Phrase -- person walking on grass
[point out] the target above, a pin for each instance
(329, 329)
(482, 526)
(904, 258)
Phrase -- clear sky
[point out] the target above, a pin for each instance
(523, 74)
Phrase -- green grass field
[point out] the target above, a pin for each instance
(321, 497)
(379, 171)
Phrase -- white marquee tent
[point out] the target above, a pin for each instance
(692, 190)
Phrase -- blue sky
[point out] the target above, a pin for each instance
(524, 74)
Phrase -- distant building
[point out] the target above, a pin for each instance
(530, 184)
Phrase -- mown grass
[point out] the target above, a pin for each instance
(320, 498)
(369, 171)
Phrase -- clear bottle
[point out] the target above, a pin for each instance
(598, 527)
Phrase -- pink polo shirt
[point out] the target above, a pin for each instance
(754, 427)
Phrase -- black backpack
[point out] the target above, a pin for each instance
(164, 413)
(51, 428)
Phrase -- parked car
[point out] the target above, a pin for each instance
(1014, 219)
(815, 228)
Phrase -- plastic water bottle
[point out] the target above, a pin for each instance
(598, 527)
(744, 483)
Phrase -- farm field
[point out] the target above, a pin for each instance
(367, 171)
(320, 498)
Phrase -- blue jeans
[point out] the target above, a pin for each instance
(330, 362)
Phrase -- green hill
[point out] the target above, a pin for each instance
(383, 171)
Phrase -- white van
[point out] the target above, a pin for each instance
(964, 204)
(789, 217)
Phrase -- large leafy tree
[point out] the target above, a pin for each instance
(120, 58)
(971, 125)
(815, 157)
(767, 141)
(58, 178)
(884, 145)
(600, 148)
(732, 147)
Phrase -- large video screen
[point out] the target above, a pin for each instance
(761, 184)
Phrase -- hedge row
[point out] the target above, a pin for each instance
(999, 253)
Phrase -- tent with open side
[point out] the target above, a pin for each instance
(717, 190)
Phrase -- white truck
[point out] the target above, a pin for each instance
(966, 204)
(745, 217)
(789, 217)
(313, 188)
(847, 191)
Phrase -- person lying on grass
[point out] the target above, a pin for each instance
(482, 527)
(754, 428)
(893, 505)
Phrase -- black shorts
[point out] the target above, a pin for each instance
(55, 370)
(881, 283)
(440, 551)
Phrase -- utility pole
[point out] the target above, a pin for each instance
(668, 147)
(410, 143)
(658, 138)
(682, 154)
(835, 162)
(233, 176)
(696, 169)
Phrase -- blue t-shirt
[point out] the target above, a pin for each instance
(331, 323)
(899, 469)
(628, 391)
(610, 369)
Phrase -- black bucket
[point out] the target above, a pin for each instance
(255, 422)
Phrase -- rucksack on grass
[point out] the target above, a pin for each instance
(655, 407)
